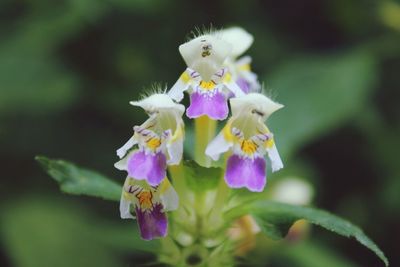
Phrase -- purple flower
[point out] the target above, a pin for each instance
(159, 140)
(240, 67)
(150, 204)
(206, 79)
(249, 139)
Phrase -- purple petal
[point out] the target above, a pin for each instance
(215, 106)
(152, 223)
(150, 167)
(246, 172)
(244, 85)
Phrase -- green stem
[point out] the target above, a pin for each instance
(215, 216)
(204, 128)
(177, 176)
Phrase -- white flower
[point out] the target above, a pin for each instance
(206, 80)
(249, 139)
(149, 203)
(159, 140)
(240, 69)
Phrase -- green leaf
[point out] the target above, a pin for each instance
(307, 254)
(319, 94)
(276, 218)
(43, 231)
(200, 178)
(79, 181)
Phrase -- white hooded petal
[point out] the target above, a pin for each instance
(238, 38)
(276, 162)
(218, 146)
(243, 62)
(205, 54)
(168, 196)
(254, 102)
(121, 152)
(156, 102)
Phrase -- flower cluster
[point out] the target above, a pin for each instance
(215, 79)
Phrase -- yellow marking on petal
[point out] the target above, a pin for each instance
(227, 78)
(269, 143)
(185, 77)
(177, 134)
(127, 196)
(245, 67)
(153, 143)
(228, 132)
(248, 147)
(207, 85)
(145, 199)
(164, 186)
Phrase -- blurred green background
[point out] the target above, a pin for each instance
(68, 69)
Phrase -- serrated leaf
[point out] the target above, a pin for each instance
(200, 178)
(79, 181)
(275, 219)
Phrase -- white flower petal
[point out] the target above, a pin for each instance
(254, 101)
(234, 88)
(276, 162)
(175, 151)
(218, 146)
(121, 152)
(246, 60)
(176, 91)
(238, 38)
(169, 197)
(122, 164)
(124, 207)
(205, 54)
(156, 102)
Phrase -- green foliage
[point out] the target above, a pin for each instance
(200, 178)
(79, 181)
(319, 93)
(48, 233)
(308, 254)
(43, 231)
(275, 219)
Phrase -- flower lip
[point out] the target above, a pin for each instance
(155, 102)
(255, 103)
